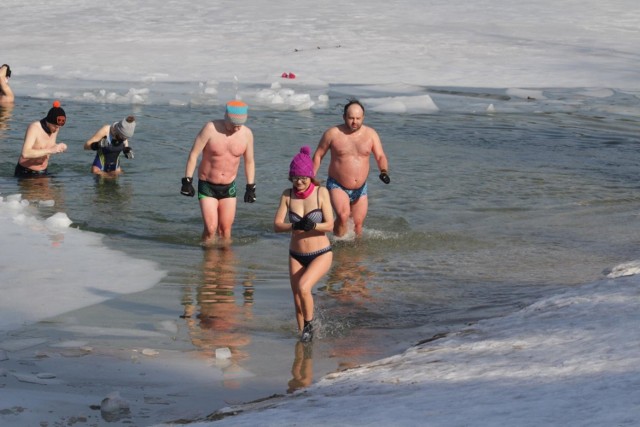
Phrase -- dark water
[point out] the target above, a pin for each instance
(484, 214)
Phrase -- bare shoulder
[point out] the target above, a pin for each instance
(286, 193)
(330, 135)
(323, 192)
(369, 130)
(332, 131)
(248, 134)
(339, 129)
(213, 126)
(35, 127)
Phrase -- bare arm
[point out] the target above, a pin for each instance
(101, 133)
(378, 153)
(323, 147)
(249, 162)
(5, 90)
(327, 211)
(30, 138)
(198, 145)
(279, 224)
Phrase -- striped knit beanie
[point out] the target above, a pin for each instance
(237, 112)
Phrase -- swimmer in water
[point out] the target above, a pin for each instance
(40, 143)
(222, 144)
(108, 143)
(350, 144)
(6, 94)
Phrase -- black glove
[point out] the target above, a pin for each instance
(250, 193)
(308, 224)
(95, 146)
(128, 152)
(305, 224)
(384, 177)
(187, 187)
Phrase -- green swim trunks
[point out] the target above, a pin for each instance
(217, 191)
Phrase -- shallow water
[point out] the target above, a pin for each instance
(485, 213)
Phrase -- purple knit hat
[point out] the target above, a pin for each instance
(302, 165)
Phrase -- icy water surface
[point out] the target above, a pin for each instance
(493, 202)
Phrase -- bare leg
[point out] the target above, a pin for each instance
(295, 271)
(302, 282)
(209, 208)
(226, 216)
(359, 210)
(342, 207)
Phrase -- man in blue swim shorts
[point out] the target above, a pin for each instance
(354, 195)
(350, 144)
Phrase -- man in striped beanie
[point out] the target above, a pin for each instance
(236, 112)
(222, 144)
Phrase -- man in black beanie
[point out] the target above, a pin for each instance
(40, 143)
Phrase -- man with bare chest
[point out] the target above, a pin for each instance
(40, 143)
(351, 145)
(222, 144)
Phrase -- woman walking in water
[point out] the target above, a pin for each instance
(305, 211)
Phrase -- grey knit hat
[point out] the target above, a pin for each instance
(125, 127)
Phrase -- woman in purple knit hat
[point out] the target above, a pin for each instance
(305, 211)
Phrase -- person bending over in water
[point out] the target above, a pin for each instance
(305, 211)
(6, 94)
(108, 142)
(40, 143)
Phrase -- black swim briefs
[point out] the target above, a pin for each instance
(23, 172)
(217, 191)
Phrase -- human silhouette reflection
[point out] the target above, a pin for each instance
(350, 285)
(302, 368)
(215, 316)
(42, 191)
(47, 196)
(348, 280)
(112, 194)
(6, 111)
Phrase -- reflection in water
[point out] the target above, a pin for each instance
(42, 191)
(349, 285)
(349, 278)
(5, 118)
(214, 318)
(47, 196)
(110, 208)
(302, 368)
(110, 192)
